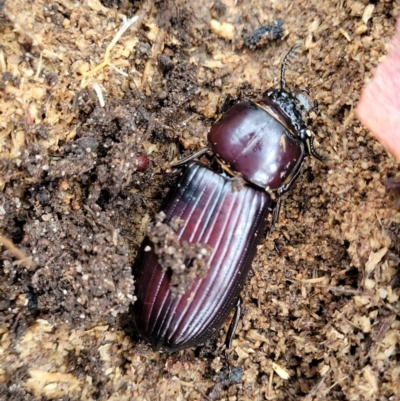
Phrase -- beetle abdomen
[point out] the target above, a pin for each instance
(230, 222)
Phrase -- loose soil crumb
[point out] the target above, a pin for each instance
(263, 35)
(322, 303)
(186, 261)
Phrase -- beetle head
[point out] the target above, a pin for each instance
(292, 109)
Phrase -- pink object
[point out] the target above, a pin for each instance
(379, 107)
(142, 161)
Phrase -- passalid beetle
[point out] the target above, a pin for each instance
(195, 259)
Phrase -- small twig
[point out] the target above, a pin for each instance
(391, 308)
(315, 388)
(39, 66)
(379, 220)
(328, 287)
(297, 230)
(17, 319)
(107, 59)
(334, 384)
(269, 395)
(156, 51)
(22, 258)
(99, 93)
(138, 19)
(150, 126)
(194, 386)
(341, 290)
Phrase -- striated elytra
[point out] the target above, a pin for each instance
(217, 214)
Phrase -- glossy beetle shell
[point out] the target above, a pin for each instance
(264, 144)
(253, 143)
(231, 222)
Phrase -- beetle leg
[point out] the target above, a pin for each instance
(315, 108)
(232, 330)
(226, 105)
(195, 156)
(234, 323)
(284, 188)
(275, 215)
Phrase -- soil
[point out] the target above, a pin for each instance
(85, 162)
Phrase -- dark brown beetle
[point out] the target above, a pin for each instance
(265, 143)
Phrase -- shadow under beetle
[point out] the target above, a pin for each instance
(265, 144)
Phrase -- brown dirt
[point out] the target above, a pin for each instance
(323, 302)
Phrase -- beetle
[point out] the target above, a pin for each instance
(217, 214)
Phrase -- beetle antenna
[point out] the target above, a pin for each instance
(290, 56)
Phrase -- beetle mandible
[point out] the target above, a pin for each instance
(184, 296)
